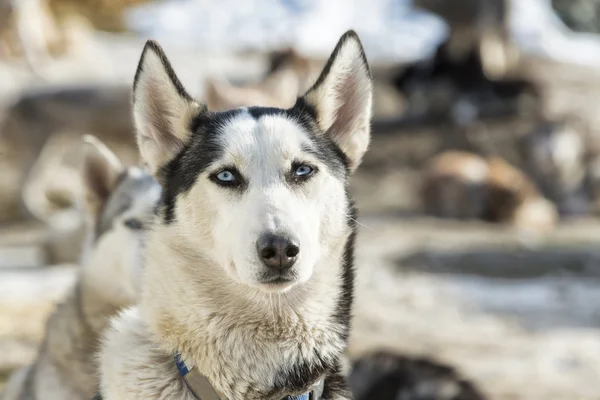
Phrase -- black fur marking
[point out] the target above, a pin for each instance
(179, 175)
(343, 314)
(299, 377)
(258, 112)
(304, 113)
(305, 117)
(97, 396)
(151, 45)
(336, 386)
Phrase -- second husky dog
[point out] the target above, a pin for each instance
(248, 282)
(119, 201)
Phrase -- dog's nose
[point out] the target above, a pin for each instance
(277, 251)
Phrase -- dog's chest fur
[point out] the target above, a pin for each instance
(249, 345)
(253, 361)
(269, 359)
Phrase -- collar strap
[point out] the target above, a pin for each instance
(203, 390)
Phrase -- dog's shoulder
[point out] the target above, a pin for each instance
(133, 365)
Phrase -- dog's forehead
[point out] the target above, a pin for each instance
(253, 132)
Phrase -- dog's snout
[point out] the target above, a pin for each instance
(277, 251)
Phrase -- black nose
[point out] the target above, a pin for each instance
(277, 251)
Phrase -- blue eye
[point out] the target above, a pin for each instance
(225, 176)
(228, 177)
(304, 170)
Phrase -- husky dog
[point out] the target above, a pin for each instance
(248, 282)
(119, 201)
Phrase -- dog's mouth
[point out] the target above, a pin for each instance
(277, 281)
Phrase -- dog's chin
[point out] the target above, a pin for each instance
(279, 285)
(275, 282)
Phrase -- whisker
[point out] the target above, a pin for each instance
(360, 223)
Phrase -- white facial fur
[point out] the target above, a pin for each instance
(263, 151)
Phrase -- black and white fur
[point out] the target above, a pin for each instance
(228, 179)
(119, 201)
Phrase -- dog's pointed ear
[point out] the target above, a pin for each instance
(162, 109)
(342, 98)
(100, 173)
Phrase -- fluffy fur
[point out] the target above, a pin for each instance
(206, 292)
(119, 201)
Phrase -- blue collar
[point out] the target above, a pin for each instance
(203, 390)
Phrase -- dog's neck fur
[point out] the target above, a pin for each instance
(299, 329)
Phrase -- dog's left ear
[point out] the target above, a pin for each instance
(162, 109)
(342, 98)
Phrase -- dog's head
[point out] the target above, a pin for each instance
(119, 203)
(259, 192)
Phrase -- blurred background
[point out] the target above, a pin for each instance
(479, 197)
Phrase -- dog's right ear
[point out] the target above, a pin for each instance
(100, 173)
(342, 98)
(162, 109)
